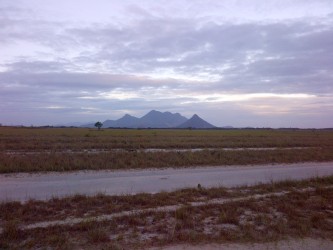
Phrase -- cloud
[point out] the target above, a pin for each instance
(166, 57)
(213, 51)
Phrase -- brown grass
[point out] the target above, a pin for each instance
(137, 160)
(298, 213)
(85, 206)
(36, 149)
(57, 139)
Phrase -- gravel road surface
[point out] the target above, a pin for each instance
(44, 186)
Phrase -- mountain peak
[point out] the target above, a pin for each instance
(153, 111)
(196, 122)
(127, 116)
(157, 119)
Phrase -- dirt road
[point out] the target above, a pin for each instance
(47, 185)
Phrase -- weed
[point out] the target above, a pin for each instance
(185, 218)
(98, 234)
(229, 216)
(113, 246)
(11, 231)
(228, 235)
(57, 241)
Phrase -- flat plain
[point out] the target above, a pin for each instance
(68, 149)
(248, 214)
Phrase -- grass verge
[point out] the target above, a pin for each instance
(140, 160)
(298, 213)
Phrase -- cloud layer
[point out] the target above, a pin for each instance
(264, 64)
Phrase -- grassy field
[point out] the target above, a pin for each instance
(290, 209)
(56, 139)
(65, 149)
(261, 213)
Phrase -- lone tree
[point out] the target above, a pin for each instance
(98, 125)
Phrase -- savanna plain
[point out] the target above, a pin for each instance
(194, 216)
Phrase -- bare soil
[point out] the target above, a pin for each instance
(290, 244)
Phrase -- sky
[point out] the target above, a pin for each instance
(234, 63)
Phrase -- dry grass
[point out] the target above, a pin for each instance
(60, 139)
(85, 207)
(52, 149)
(137, 160)
(298, 213)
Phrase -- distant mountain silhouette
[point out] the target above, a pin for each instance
(156, 119)
(196, 122)
(127, 121)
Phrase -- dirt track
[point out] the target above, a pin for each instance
(47, 185)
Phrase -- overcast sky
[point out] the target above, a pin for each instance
(241, 63)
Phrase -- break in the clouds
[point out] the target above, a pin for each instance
(240, 63)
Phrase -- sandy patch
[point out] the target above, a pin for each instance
(291, 244)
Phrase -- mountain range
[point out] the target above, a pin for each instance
(156, 119)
